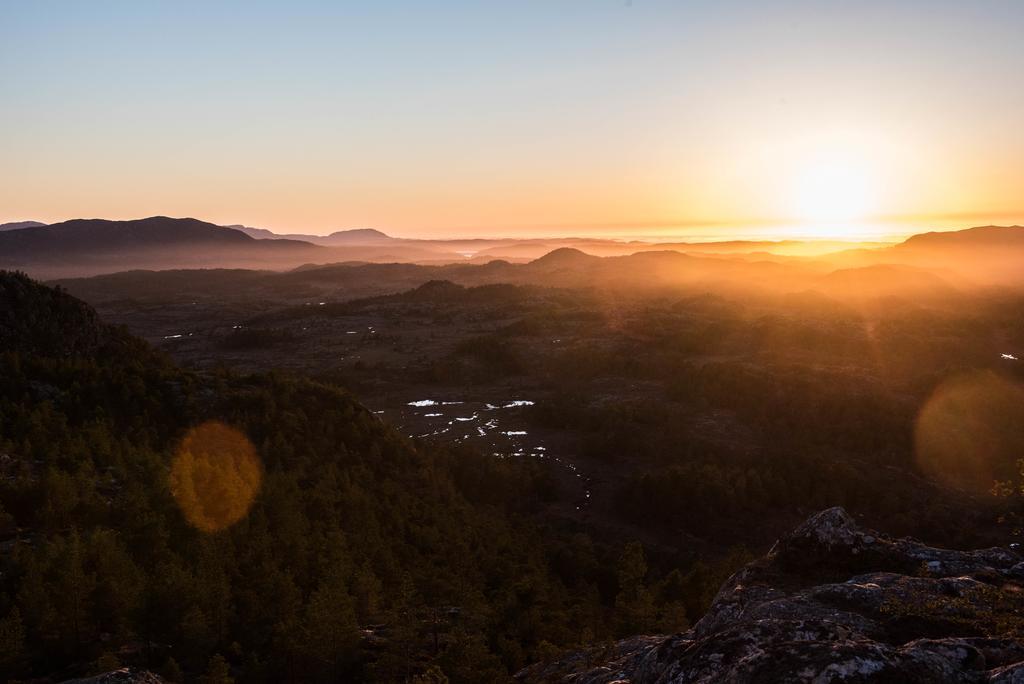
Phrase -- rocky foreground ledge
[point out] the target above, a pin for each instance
(834, 603)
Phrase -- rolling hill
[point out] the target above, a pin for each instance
(83, 247)
(98, 246)
(354, 236)
(19, 225)
(985, 255)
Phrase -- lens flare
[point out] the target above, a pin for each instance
(970, 432)
(215, 476)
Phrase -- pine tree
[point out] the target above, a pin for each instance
(367, 589)
(12, 638)
(634, 605)
(331, 631)
(217, 671)
(75, 584)
(171, 671)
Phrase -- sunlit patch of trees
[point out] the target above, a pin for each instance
(215, 475)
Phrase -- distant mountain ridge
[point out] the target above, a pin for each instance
(101, 245)
(84, 247)
(861, 274)
(980, 236)
(103, 234)
(483, 249)
(20, 225)
(340, 237)
(94, 246)
(981, 255)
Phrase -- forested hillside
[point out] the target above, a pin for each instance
(363, 556)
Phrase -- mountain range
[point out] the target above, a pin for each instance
(86, 247)
(361, 236)
(83, 247)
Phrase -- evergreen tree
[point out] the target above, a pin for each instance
(12, 639)
(217, 671)
(330, 628)
(634, 605)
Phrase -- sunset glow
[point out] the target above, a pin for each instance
(529, 342)
(834, 192)
(525, 119)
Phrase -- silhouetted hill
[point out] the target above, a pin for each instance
(564, 267)
(445, 291)
(956, 262)
(564, 257)
(89, 246)
(83, 247)
(362, 236)
(986, 255)
(100, 235)
(39, 320)
(435, 290)
(36, 320)
(981, 236)
(19, 225)
(260, 233)
(884, 280)
(359, 235)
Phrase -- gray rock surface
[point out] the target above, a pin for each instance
(125, 675)
(834, 603)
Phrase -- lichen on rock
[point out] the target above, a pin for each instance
(832, 602)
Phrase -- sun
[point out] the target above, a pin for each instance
(834, 191)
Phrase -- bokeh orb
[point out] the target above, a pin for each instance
(215, 476)
(970, 432)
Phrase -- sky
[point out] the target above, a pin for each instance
(627, 118)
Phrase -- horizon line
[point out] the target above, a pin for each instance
(804, 231)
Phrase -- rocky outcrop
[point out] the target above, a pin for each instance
(835, 603)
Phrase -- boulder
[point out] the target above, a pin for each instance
(832, 602)
(126, 675)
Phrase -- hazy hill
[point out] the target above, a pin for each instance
(18, 225)
(100, 235)
(986, 255)
(884, 280)
(89, 246)
(929, 262)
(970, 238)
(563, 267)
(263, 233)
(360, 236)
(524, 249)
(84, 247)
(564, 257)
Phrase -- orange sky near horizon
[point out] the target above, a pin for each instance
(649, 119)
